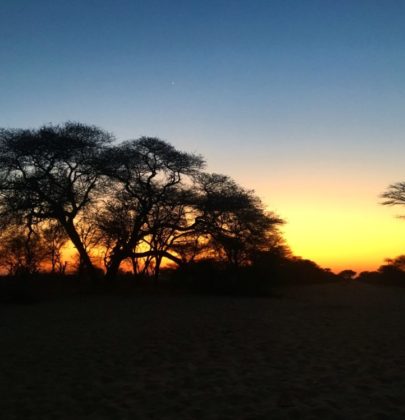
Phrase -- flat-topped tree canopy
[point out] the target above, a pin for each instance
(149, 163)
(51, 173)
(234, 217)
(146, 174)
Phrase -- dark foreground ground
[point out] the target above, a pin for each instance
(329, 351)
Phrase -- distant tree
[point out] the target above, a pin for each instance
(52, 174)
(397, 262)
(347, 274)
(392, 272)
(395, 268)
(22, 250)
(369, 276)
(299, 270)
(55, 238)
(394, 195)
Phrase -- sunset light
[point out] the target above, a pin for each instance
(202, 209)
(304, 104)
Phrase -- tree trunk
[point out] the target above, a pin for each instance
(158, 261)
(75, 238)
(114, 264)
(112, 269)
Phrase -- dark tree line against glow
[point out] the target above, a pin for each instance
(140, 201)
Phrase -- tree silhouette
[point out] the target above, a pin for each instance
(55, 239)
(167, 224)
(394, 195)
(234, 218)
(397, 262)
(347, 274)
(144, 174)
(140, 201)
(52, 174)
(22, 250)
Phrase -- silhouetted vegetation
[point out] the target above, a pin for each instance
(76, 206)
(391, 273)
(394, 195)
(347, 274)
(268, 271)
(133, 207)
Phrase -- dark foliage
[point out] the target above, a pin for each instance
(390, 274)
(268, 272)
(138, 204)
(347, 274)
(302, 271)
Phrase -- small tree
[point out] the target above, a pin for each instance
(347, 274)
(397, 262)
(22, 250)
(55, 239)
(394, 195)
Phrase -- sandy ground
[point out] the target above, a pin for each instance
(329, 351)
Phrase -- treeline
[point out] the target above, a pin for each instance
(134, 204)
(392, 273)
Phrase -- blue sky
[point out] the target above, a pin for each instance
(296, 99)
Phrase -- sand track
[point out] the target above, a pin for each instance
(329, 351)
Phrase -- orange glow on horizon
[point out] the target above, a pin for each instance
(334, 219)
(341, 230)
(335, 236)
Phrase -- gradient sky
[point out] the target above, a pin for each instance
(303, 101)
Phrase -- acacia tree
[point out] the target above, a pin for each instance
(394, 195)
(52, 174)
(171, 222)
(158, 217)
(235, 219)
(144, 173)
(347, 274)
(398, 262)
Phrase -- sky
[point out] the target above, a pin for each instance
(302, 101)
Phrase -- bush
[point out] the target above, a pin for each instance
(213, 277)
